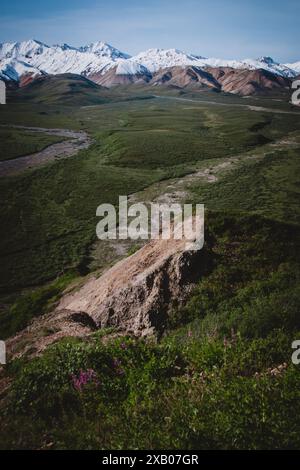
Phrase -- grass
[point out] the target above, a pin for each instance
(65, 88)
(268, 186)
(54, 229)
(135, 144)
(17, 143)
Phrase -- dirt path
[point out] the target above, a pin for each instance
(79, 140)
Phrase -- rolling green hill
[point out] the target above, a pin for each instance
(66, 89)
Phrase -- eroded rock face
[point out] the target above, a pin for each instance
(135, 297)
(138, 293)
(243, 82)
(247, 82)
(182, 77)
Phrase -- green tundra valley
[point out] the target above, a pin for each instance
(216, 372)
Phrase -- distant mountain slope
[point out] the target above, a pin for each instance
(67, 89)
(247, 82)
(22, 62)
(126, 72)
(156, 59)
(295, 66)
(264, 63)
(14, 69)
(243, 82)
(182, 77)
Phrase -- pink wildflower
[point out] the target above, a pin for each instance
(83, 378)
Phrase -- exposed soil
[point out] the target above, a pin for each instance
(135, 296)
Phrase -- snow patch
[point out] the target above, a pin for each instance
(294, 66)
(155, 59)
(130, 67)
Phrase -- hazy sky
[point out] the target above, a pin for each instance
(214, 28)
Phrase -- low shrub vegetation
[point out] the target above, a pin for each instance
(221, 377)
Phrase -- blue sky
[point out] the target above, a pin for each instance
(214, 28)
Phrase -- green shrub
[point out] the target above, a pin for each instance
(209, 395)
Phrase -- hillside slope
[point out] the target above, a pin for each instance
(68, 89)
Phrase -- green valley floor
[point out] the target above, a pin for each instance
(220, 374)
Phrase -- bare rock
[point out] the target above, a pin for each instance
(139, 292)
(135, 296)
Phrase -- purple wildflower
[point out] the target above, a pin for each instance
(117, 365)
(83, 378)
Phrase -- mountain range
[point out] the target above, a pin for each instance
(22, 62)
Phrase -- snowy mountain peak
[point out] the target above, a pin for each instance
(155, 59)
(197, 56)
(34, 57)
(102, 49)
(23, 49)
(267, 60)
(66, 47)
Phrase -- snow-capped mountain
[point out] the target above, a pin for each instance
(126, 72)
(32, 58)
(294, 66)
(32, 54)
(12, 69)
(25, 49)
(101, 49)
(156, 59)
(265, 63)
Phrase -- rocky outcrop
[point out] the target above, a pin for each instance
(135, 296)
(138, 293)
